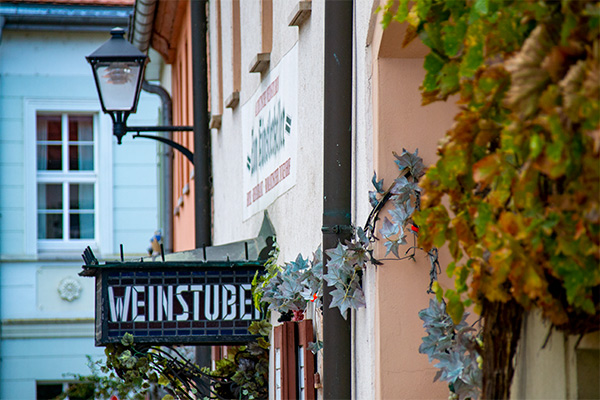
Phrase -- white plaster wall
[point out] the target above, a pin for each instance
(296, 215)
(227, 52)
(547, 364)
(251, 44)
(284, 36)
(363, 322)
(539, 372)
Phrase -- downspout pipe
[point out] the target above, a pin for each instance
(201, 130)
(167, 161)
(202, 178)
(337, 184)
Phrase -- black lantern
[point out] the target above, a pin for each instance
(118, 69)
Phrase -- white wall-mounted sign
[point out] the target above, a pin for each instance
(270, 136)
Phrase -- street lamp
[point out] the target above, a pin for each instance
(118, 68)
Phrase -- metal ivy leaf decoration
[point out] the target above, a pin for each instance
(344, 271)
(454, 346)
(344, 268)
(295, 285)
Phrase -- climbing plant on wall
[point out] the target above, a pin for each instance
(514, 194)
(244, 373)
(289, 289)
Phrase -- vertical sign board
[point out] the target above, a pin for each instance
(270, 136)
(174, 302)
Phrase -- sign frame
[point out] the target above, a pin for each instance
(170, 333)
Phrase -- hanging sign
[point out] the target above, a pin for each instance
(174, 302)
(270, 136)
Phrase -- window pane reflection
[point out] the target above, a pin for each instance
(81, 226)
(50, 196)
(81, 197)
(80, 128)
(50, 226)
(81, 157)
(49, 127)
(49, 157)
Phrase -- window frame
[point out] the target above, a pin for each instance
(101, 176)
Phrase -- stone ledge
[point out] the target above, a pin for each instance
(260, 62)
(46, 328)
(300, 13)
(232, 100)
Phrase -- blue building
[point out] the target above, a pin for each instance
(64, 185)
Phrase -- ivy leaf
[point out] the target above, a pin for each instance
(486, 169)
(337, 256)
(377, 184)
(262, 327)
(373, 199)
(392, 246)
(451, 365)
(341, 301)
(337, 274)
(401, 214)
(403, 190)
(528, 77)
(449, 80)
(412, 161)
(315, 346)
(483, 218)
(455, 306)
(472, 60)
(358, 297)
(481, 7)
(433, 65)
(362, 237)
(300, 264)
(454, 36)
(127, 339)
(388, 228)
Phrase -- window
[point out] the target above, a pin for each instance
(71, 391)
(66, 177)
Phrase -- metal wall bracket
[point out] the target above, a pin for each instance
(186, 152)
(337, 229)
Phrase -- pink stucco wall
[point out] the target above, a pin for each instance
(401, 122)
(183, 184)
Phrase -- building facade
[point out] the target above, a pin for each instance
(268, 113)
(270, 108)
(64, 185)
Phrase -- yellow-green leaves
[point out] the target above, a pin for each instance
(515, 188)
(127, 339)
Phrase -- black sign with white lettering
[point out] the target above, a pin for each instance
(175, 302)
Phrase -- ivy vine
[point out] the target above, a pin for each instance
(290, 288)
(243, 374)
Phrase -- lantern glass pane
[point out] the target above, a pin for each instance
(117, 82)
